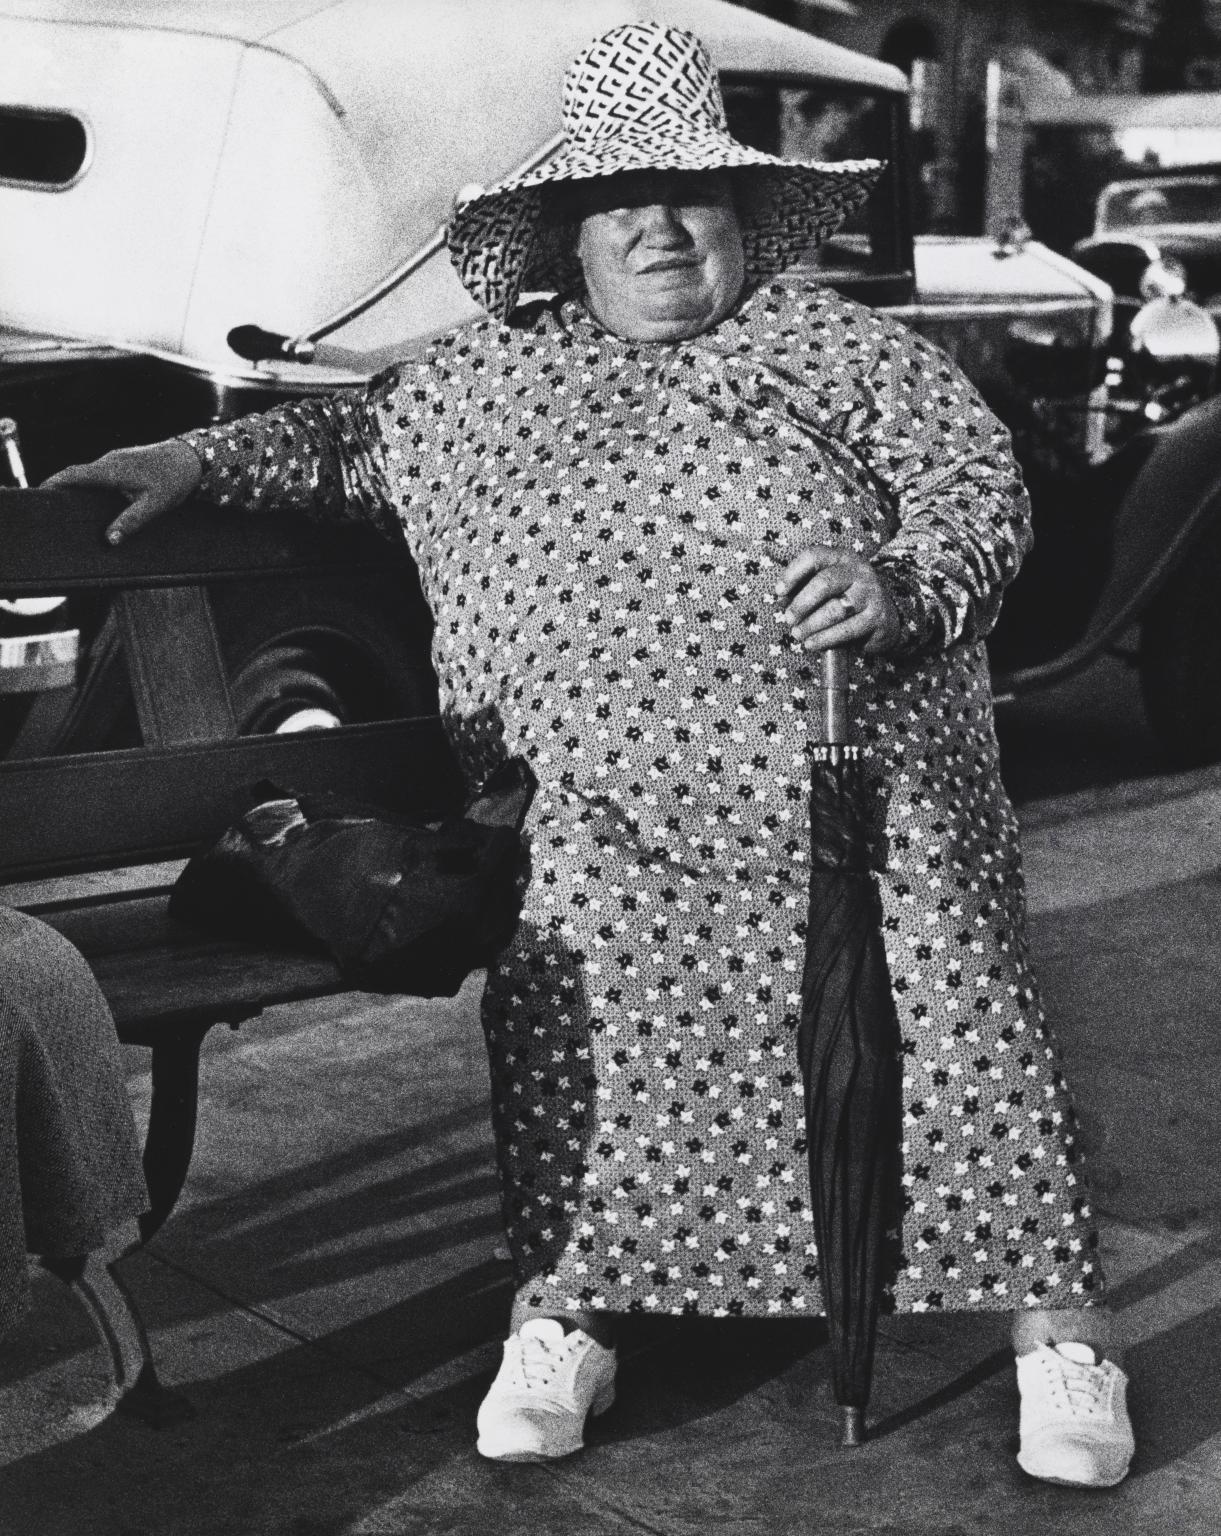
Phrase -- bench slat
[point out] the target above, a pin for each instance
(53, 542)
(93, 810)
(159, 975)
(153, 992)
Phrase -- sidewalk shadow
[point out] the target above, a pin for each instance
(291, 1234)
(676, 1370)
(1175, 1403)
(1173, 1398)
(304, 1442)
(299, 1441)
(204, 1219)
(262, 1237)
(991, 1365)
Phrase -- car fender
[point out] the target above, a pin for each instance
(1173, 497)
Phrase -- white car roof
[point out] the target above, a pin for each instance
(1178, 109)
(269, 161)
(259, 21)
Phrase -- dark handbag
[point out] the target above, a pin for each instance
(400, 904)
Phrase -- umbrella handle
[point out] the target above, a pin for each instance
(835, 698)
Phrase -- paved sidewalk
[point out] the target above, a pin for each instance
(332, 1291)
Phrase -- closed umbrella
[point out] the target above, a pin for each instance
(848, 1042)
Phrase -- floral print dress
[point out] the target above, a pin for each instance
(598, 527)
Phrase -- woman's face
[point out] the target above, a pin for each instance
(661, 252)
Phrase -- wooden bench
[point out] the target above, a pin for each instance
(65, 819)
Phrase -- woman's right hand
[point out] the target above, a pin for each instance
(155, 479)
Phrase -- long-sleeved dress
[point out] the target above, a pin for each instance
(598, 527)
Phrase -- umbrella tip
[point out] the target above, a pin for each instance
(854, 1426)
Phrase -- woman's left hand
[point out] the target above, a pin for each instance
(833, 598)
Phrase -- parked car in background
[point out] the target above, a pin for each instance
(1077, 150)
(286, 237)
(1152, 222)
(1128, 185)
(166, 268)
(1177, 216)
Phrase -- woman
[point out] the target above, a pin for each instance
(609, 496)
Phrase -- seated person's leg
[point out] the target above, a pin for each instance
(70, 1170)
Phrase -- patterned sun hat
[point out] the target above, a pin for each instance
(644, 97)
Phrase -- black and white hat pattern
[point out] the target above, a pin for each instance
(644, 97)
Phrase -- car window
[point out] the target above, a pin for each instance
(805, 121)
(41, 149)
(1154, 201)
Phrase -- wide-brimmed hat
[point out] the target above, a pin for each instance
(643, 97)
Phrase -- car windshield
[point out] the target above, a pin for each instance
(1159, 201)
(1068, 169)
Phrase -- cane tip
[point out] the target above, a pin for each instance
(854, 1426)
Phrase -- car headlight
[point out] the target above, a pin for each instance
(1171, 333)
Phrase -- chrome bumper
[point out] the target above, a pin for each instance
(35, 663)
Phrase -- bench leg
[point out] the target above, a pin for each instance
(114, 1314)
(171, 1124)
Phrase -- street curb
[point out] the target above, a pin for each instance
(1105, 799)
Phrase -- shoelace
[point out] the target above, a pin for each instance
(538, 1361)
(1083, 1387)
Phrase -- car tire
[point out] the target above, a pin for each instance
(306, 657)
(287, 688)
(1180, 658)
(298, 655)
(316, 681)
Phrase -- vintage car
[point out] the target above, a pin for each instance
(1175, 217)
(1122, 182)
(176, 177)
(206, 212)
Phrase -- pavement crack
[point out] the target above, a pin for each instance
(277, 1324)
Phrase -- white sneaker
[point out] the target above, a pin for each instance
(548, 1381)
(1075, 1426)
